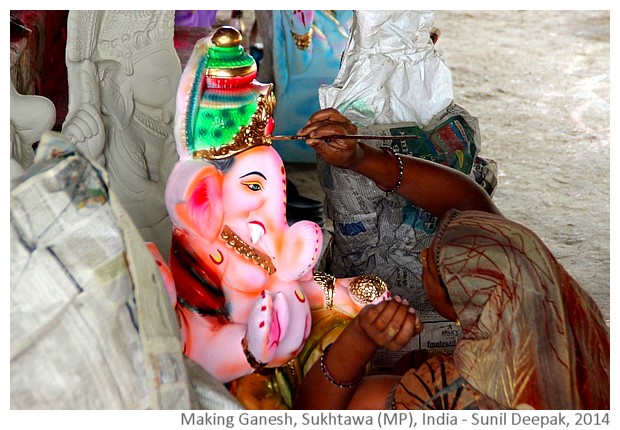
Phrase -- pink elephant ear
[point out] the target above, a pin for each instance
(194, 198)
(205, 207)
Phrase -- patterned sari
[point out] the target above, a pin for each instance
(532, 337)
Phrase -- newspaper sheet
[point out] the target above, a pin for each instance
(91, 324)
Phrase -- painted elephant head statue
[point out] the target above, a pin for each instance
(234, 259)
(241, 279)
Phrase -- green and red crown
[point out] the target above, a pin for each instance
(228, 110)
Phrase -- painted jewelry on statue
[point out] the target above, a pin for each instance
(327, 283)
(367, 288)
(252, 361)
(247, 251)
(224, 92)
(254, 134)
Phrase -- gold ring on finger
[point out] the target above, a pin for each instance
(392, 332)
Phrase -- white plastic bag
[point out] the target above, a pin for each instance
(390, 72)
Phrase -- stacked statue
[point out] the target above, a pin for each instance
(123, 72)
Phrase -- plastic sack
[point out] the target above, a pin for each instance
(390, 72)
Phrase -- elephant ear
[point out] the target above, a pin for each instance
(194, 198)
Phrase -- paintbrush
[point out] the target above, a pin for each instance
(349, 136)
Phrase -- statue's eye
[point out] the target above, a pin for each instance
(254, 186)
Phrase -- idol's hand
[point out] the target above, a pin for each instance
(85, 129)
(266, 325)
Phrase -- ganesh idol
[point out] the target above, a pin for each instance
(253, 310)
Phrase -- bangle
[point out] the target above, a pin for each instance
(252, 361)
(401, 170)
(333, 380)
(327, 283)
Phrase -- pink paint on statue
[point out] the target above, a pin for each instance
(243, 278)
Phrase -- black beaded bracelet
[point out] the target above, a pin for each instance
(401, 170)
(333, 380)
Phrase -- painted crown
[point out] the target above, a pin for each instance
(228, 111)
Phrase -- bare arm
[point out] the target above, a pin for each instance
(390, 324)
(431, 186)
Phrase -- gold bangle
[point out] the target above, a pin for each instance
(327, 283)
(302, 40)
(367, 288)
(252, 361)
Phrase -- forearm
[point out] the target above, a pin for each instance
(333, 381)
(431, 186)
(345, 361)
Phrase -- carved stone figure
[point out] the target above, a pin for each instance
(30, 117)
(242, 280)
(123, 73)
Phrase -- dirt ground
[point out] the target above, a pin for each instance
(539, 83)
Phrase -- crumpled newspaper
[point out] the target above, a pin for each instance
(392, 82)
(91, 323)
(390, 72)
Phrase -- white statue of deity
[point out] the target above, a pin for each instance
(31, 115)
(123, 74)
